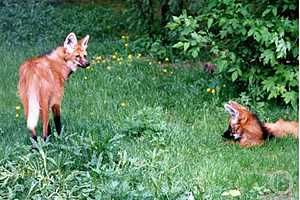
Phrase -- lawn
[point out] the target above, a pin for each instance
(134, 128)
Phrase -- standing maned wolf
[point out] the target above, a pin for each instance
(41, 84)
(246, 129)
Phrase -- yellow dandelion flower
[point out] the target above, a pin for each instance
(129, 56)
(139, 55)
(213, 91)
(165, 70)
(124, 104)
(98, 58)
(108, 67)
(85, 78)
(150, 63)
(166, 59)
(18, 107)
(159, 62)
(114, 56)
(123, 37)
(126, 45)
(88, 67)
(17, 115)
(120, 63)
(208, 90)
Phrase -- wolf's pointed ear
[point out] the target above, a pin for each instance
(70, 42)
(84, 41)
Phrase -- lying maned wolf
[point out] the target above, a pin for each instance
(246, 129)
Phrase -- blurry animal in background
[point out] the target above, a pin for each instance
(209, 68)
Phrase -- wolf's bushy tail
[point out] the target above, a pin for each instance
(283, 128)
(33, 108)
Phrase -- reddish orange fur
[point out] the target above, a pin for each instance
(44, 76)
(246, 125)
(282, 128)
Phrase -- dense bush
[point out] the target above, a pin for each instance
(149, 16)
(254, 44)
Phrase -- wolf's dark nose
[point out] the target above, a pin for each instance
(85, 65)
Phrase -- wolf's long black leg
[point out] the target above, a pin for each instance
(228, 133)
(49, 129)
(56, 117)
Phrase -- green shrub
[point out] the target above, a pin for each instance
(191, 40)
(254, 44)
(92, 166)
(64, 169)
(146, 122)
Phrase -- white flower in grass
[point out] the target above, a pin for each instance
(233, 193)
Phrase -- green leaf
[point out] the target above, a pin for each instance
(274, 10)
(295, 52)
(267, 11)
(268, 57)
(172, 26)
(178, 45)
(282, 47)
(243, 31)
(257, 36)
(194, 53)
(195, 36)
(186, 46)
(251, 31)
(176, 19)
(234, 76)
(232, 70)
(193, 43)
(268, 84)
(209, 22)
(232, 57)
(223, 33)
(290, 97)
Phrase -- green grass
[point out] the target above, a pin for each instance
(131, 129)
(136, 131)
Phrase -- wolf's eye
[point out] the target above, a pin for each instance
(84, 56)
(77, 56)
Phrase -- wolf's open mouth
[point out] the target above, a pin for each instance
(83, 65)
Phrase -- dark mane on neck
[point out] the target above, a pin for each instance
(266, 133)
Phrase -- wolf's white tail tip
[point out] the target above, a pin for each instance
(33, 112)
